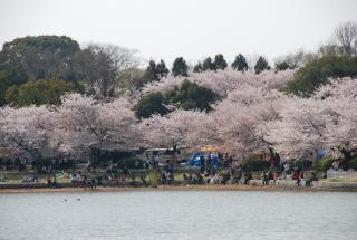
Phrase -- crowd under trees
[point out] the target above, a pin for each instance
(54, 93)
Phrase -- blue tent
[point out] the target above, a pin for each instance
(195, 160)
(213, 160)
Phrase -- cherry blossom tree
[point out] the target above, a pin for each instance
(341, 134)
(240, 116)
(187, 128)
(222, 82)
(70, 128)
(85, 122)
(251, 115)
(26, 129)
(234, 123)
(300, 128)
(327, 120)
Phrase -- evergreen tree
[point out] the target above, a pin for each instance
(190, 96)
(151, 70)
(240, 63)
(261, 65)
(49, 57)
(179, 67)
(150, 104)
(317, 72)
(207, 64)
(156, 71)
(219, 62)
(9, 78)
(37, 92)
(161, 70)
(198, 68)
(283, 66)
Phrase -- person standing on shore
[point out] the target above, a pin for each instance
(263, 177)
(298, 179)
(54, 185)
(202, 163)
(49, 183)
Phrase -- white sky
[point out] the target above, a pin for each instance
(190, 28)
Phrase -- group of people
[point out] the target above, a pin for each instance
(151, 161)
(216, 178)
(268, 177)
(29, 178)
(82, 180)
(52, 181)
(193, 178)
(208, 163)
(271, 177)
(167, 177)
(297, 176)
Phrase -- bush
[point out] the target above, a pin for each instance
(283, 66)
(9, 78)
(188, 96)
(302, 164)
(149, 105)
(324, 163)
(191, 96)
(352, 164)
(256, 165)
(37, 92)
(317, 72)
(154, 178)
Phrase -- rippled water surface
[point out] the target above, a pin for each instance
(179, 215)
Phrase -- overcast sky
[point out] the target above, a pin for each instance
(190, 28)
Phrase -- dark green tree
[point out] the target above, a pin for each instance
(151, 70)
(261, 65)
(219, 62)
(198, 68)
(41, 57)
(161, 70)
(191, 96)
(149, 105)
(37, 92)
(207, 64)
(316, 73)
(9, 78)
(283, 66)
(179, 67)
(240, 63)
(188, 96)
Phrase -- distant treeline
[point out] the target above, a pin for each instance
(38, 70)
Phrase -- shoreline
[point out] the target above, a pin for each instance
(194, 187)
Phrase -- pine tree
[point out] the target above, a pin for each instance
(240, 63)
(151, 70)
(219, 62)
(198, 68)
(161, 70)
(207, 64)
(179, 67)
(156, 72)
(261, 65)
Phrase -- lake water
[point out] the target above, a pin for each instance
(179, 215)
